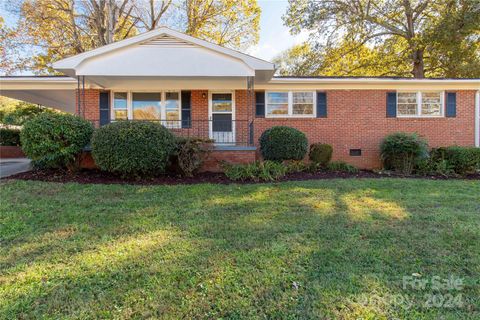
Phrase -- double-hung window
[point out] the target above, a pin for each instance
(420, 104)
(151, 106)
(290, 104)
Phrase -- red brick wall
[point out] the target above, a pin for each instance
(215, 158)
(357, 120)
(89, 105)
(8, 152)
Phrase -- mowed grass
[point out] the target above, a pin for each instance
(295, 250)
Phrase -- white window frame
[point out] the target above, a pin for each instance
(163, 106)
(290, 105)
(419, 104)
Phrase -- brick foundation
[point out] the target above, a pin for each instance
(10, 152)
(212, 162)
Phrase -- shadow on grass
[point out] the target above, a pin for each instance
(290, 250)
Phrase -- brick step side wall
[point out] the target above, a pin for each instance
(212, 162)
(10, 152)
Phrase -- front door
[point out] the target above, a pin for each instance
(222, 114)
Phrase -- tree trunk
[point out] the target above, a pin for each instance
(418, 70)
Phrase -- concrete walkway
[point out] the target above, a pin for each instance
(12, 166)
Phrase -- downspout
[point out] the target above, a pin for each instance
(77, 109)
(251, 102)
(477, 119)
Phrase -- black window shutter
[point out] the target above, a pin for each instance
(259, 104)
(451, 110)
(186, 109)
(104, 106)
(391, 104)
(321, 104)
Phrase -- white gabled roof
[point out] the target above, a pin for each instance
(172, 42)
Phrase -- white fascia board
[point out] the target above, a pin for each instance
(74, 61)
(371, 80)
(369, 84)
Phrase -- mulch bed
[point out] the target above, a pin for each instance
(100, 177)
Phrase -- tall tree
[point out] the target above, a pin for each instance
(232, 23)
(412, 23)
(54, 29)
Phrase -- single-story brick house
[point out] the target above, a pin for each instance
(197, 88)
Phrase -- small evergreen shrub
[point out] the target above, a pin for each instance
(460, 160)
(54, 140)
(340, 166)
(9, 137)
(255, 171)
(189, 155)
(320, 153)
(283, 143)
(400, 151)
(133, 148)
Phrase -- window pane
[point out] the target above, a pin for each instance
(146, 106)
(431, 103)
(303, 97)
(303, 108)
(221, 102)
(277, 97)
(120, 114)
(405, 109)
(120, 100)
(274, 109)
(302, 103)
(172, 100)
(407, 103)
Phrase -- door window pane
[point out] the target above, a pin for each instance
(221, 102)
(146, 106)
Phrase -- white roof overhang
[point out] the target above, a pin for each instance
(54, 92)
(164, 53)
(345, 83)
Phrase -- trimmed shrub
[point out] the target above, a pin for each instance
(320, 153)
(9, 137)
(256, 171)
(189, 155)
(54, 140)
(400, 151)
(340, 166)
(283, 143)
(460, 160)
(133, 148)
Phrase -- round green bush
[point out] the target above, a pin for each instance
(400, 151)
(54, 140)
(320, 153)
(283, 143)
(132, 148)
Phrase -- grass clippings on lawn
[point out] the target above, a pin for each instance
(312, 249)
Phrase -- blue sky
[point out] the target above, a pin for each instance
(274, 36)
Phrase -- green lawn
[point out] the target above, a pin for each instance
(315, 249)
